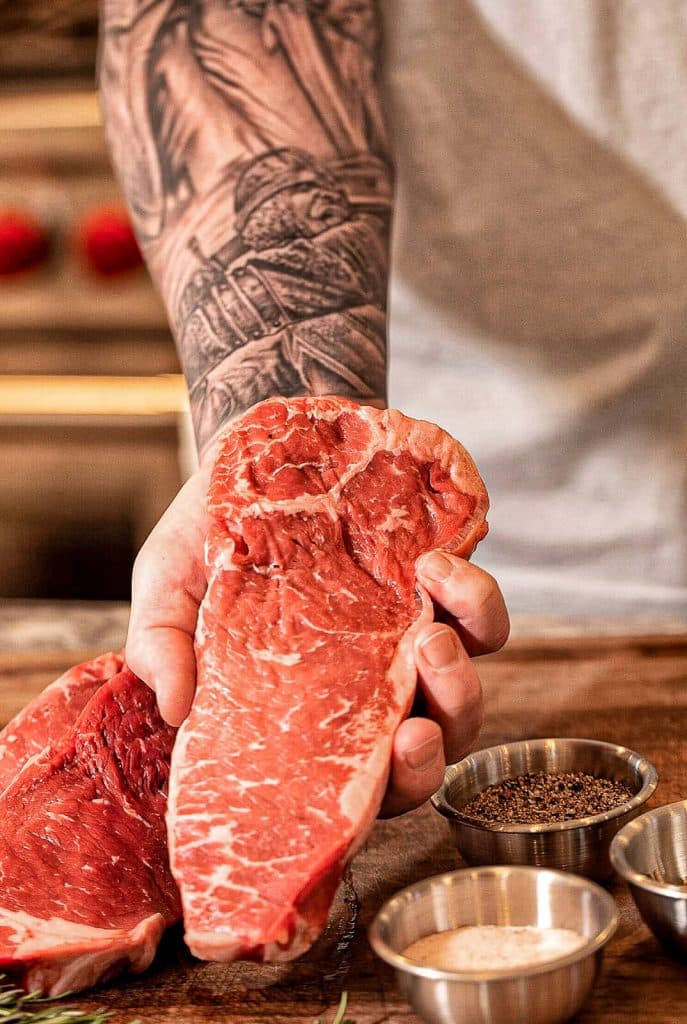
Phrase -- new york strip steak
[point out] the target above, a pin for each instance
(52, 714)
(305, 668)
(85, 885)
(319, 509)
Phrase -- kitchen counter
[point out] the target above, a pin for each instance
(34, 625)
(626, 683)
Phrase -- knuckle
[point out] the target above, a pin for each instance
(463, 704)
(501, 634)
(140, 574)
(463, 741)
(469, 705)
(467, 588)
(487, 607)
(485, 594)
(475, 717)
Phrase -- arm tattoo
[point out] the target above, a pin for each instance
(250, 141)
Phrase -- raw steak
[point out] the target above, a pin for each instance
(47, 718)
(86, 888)
(305, 664)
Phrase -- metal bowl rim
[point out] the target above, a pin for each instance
(618, 856)
(402, 963)
(645, 768)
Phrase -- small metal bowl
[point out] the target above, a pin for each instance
(651, 855)
(543, 994)
(580, 845)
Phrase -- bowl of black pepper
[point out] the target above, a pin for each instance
(554, 803)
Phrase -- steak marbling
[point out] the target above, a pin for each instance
(86, 889)
(319, 509)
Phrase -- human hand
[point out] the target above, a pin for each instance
(474, 621)
(167, 587)
(169, 583)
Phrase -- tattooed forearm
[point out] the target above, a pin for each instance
(251, 145)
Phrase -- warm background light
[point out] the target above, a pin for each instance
(37, 395)
(95, 437)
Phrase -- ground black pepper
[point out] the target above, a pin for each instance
(543, 797)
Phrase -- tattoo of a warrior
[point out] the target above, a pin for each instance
(261, 188)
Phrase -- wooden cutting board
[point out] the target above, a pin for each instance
(629, 690)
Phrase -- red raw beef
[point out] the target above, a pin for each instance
(86, 887)
(50, 716)
(305, 659)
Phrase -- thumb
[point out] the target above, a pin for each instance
(164, 658)
(167, 587)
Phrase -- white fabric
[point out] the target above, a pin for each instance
(539, 285)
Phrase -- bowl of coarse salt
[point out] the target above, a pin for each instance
(553, 803)
(493, 945)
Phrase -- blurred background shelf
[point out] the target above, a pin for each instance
(87, 465)
(105, 350)
(82, 304)
(57, 126)
(94, 430)
(48, 41)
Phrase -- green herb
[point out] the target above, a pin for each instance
(339, 1016)
(16, 1007)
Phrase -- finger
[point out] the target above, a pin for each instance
(417, 766)
(167, 663)
(451, 688)
(159, 643)
(168, 584)
(471, 596)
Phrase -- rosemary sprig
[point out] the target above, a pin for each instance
(18, 1007)
(339, 1017)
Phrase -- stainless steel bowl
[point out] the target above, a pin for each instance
(542, 994)
(579, 845)
(651, 855)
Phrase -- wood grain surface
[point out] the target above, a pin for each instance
(626, 690)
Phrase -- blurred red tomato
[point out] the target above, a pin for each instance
(24, 243)
(107, 241)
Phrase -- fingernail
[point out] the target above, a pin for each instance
(435, 566)
(440, 650)
(424, 754)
